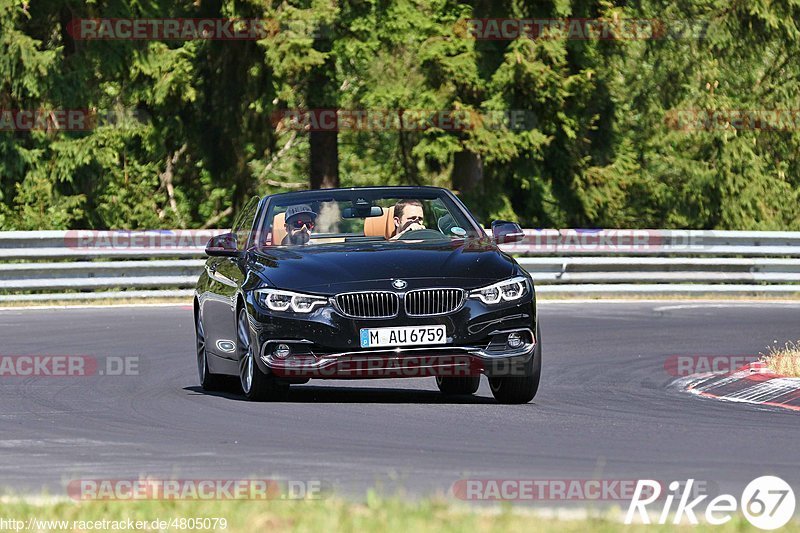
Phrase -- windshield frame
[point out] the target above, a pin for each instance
(370, 193)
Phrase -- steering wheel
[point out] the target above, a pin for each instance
(421, 234)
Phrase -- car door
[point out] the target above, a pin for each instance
(226, 275)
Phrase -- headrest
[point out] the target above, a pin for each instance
(382, 226)
(278, 229)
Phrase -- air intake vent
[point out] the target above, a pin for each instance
(368, 304)
(429, 302)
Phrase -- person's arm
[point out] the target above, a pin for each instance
(408, 226)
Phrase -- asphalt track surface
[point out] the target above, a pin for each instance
(605, 409)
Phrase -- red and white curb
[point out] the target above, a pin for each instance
(754, 383)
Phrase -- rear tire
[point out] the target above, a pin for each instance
(208, 381)
(458, 386)
(256, 385)
(520, 389)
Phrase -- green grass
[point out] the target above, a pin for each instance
(376, 514)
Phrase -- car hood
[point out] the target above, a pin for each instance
(332, 268)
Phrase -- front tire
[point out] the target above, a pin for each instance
(256, 385)
(208, 381)
(520, 389)
(458, 386)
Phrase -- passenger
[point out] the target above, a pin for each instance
(299, 223)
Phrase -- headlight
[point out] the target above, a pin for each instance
(278, 300)
(504, 291)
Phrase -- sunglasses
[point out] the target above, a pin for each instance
(298, 224)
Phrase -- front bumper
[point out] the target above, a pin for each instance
(402, 363)
(325, 344)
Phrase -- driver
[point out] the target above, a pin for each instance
(298, 223)
(408, 216)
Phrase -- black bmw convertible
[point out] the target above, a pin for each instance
(374, 282)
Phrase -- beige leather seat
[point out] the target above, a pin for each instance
(382, 226)
(278, 229)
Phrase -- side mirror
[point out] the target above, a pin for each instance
(505, 232)
(222, 246)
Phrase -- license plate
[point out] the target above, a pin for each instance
(403, 336)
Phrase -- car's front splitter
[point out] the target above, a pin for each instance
(446, 361)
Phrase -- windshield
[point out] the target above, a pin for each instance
(317, 218)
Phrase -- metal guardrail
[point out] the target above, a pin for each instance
(70, 265)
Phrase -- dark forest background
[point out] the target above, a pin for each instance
(192, 132)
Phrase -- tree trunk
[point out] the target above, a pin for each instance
(467, 171)
(324, 159)
(323, 93)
